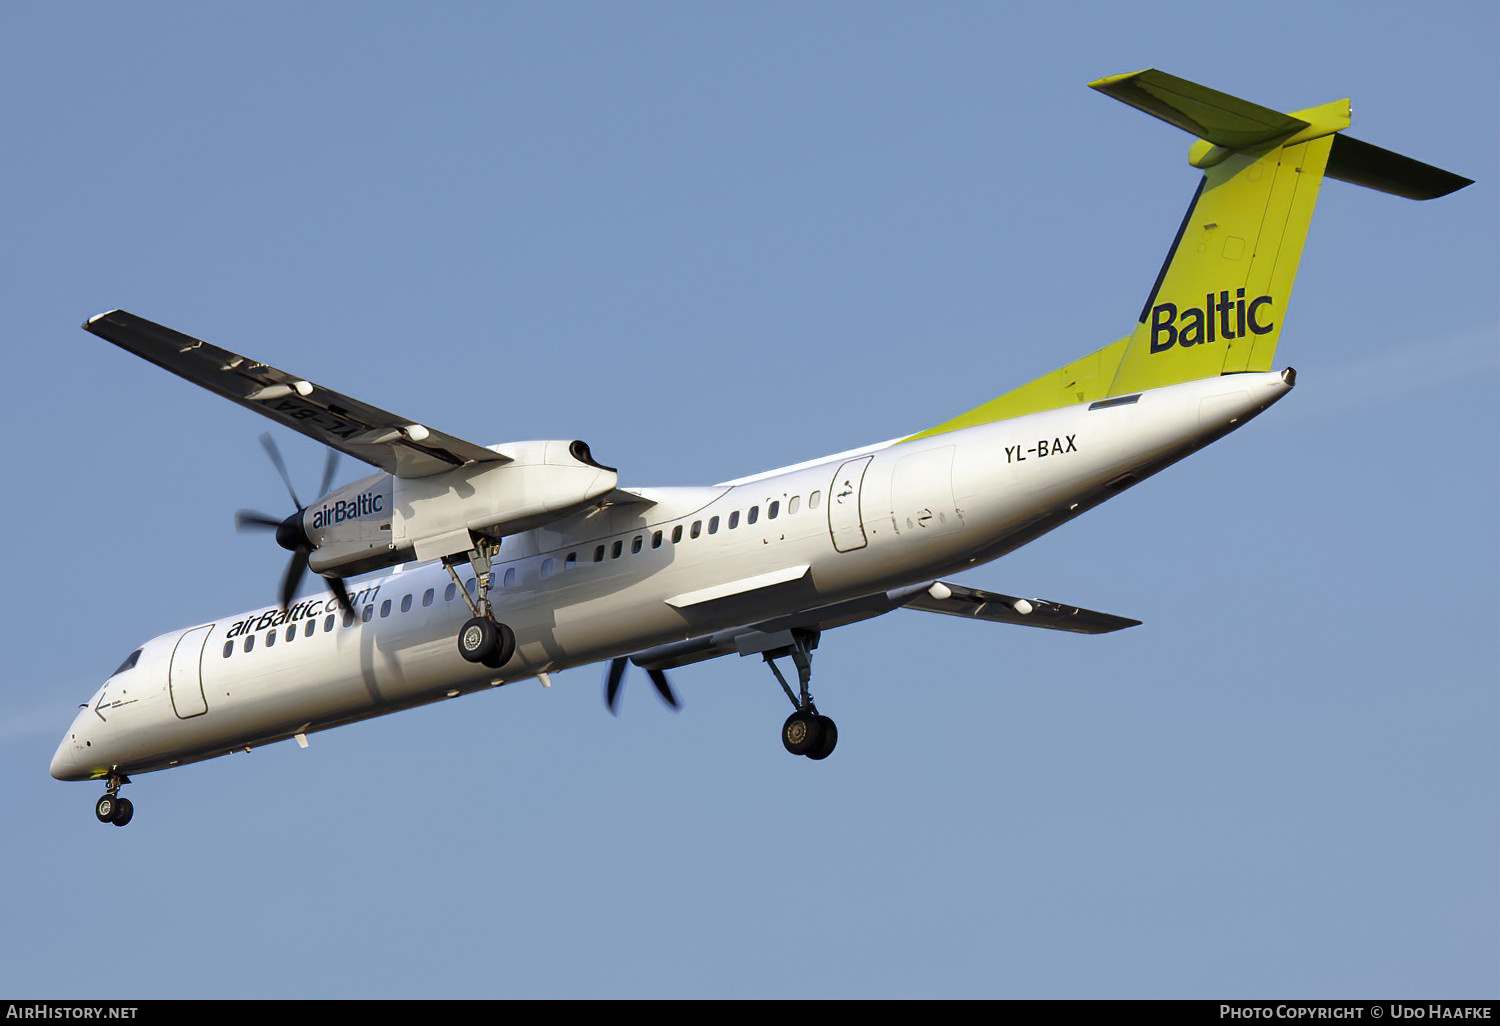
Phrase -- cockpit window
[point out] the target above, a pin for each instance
(129, 662)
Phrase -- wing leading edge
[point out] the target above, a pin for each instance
(396, 445)
(957, 600)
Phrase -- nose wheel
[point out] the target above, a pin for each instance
(806, 731)
(111, 808)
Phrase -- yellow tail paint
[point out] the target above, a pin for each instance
(1219, 301)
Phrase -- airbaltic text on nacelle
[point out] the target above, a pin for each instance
(347, 509)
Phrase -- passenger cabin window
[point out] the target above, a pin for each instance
(772, 510)
(676, 534)
(791, 507)
(617, 548)
(385, 609)
(510, 577)
(568, 564)
(406, 604)
(310, 626)
(547, 568)
(270, 637)
(449, 593)
(291, 632)
(656, 540)
(713, 525)
(427, 597)
(753, 515)
(814, 499)
(697, 529)
(365, 616)
(249, 642)
(635, 546)
(228, 649)
(734, 520)
(328, 623)
(599, 554)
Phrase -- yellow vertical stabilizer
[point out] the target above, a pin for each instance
(1218, 303)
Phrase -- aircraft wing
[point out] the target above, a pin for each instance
(957, 600)
(394, 444)
(935, 597)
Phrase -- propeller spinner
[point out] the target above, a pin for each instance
(290, 534)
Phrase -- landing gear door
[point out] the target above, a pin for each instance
(844, 522)
(185, 678)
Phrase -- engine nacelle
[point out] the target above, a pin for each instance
(381, 520)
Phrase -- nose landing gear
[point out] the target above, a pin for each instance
(111, 808)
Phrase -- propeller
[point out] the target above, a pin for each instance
(289, 532)
(615, 676)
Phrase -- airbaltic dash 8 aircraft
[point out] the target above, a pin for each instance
(458, 567)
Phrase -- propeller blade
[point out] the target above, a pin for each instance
(612, 683)
(615, 675)
(329, 469)
(293, 578)
(659, 678)
(336, 585)
(269, 444)
(249, 518)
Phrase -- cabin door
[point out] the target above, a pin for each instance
(185, 678)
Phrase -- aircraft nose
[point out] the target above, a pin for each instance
(64, 763)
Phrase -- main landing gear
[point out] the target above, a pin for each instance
(806, 731)
(112, 808)
(482, 639)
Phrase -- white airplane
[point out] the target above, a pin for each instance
(534, 559)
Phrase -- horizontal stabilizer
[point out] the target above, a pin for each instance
(1359, 163)
(1219, 118)
(957, 600)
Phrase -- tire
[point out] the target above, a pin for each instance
(830, 738)
(123, 811)
(505, 647)
(104, 808)
(802, 732)
(478, 638)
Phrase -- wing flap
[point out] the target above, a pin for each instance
(740, 588)
(396, 445)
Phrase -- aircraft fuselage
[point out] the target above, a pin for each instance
(626, 578)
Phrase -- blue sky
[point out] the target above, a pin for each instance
(713, 239)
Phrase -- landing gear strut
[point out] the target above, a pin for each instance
(482, 639)
(806, 731)
(112, 808)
